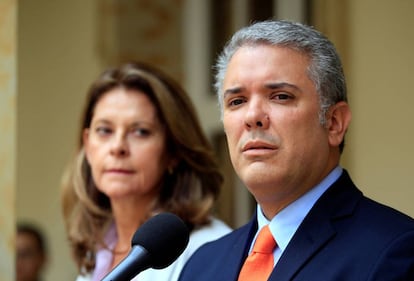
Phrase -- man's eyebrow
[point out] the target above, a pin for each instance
(281, 85)
(270, 85)
(233, 91)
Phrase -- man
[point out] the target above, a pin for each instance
(282, 93)
(31, 256)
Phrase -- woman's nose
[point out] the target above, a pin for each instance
(119, 146)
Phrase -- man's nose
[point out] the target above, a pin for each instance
(257, 115)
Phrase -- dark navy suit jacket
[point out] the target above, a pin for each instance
(345, 236)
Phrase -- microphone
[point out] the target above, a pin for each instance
(157, 244)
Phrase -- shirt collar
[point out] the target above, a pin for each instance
(284, 225)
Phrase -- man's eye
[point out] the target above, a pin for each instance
(235, 102)
(282, 96)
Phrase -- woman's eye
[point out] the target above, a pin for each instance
(103, 130)
(141, 132)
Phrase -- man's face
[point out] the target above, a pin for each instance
(30, 260)
(277, 145)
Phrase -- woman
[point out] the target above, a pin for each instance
(141, 151)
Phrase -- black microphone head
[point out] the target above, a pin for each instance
(164, 236)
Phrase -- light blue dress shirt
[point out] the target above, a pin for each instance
(284, 225)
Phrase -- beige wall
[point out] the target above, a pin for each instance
(8, 61)
(380, 74)
(375, 41)
(58, 56)
(57, 59)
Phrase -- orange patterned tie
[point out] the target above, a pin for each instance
(259, 264)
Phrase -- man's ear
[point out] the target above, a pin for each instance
(338, 119)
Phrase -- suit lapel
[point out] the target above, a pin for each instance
(300, 249)
(238, 253)
(317, 228)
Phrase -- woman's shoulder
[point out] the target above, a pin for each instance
(84, 278)
(206, 233)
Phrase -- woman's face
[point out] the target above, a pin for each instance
(125, 145)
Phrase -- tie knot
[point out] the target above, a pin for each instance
(265, 243)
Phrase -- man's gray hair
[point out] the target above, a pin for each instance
(325, 68)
